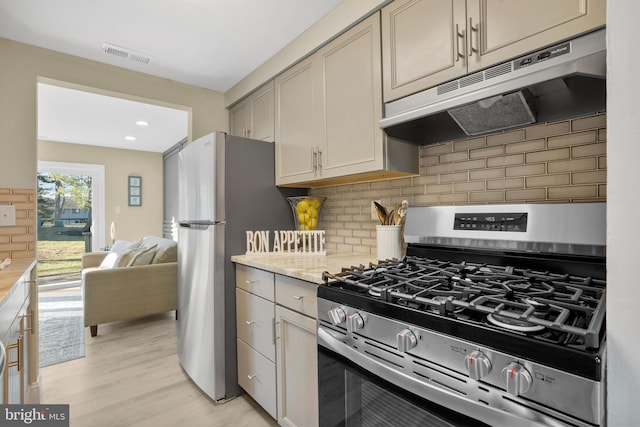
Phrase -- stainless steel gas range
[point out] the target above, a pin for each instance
(496, 316)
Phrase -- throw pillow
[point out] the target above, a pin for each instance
(144, 256)
(119, 255)
(167, 251)
(109, 261)
(122, 246)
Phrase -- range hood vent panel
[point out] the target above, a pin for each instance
(494, 114)
(516, 91)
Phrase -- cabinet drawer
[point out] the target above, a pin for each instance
(258, 282)
(257, 376)
(13, 301)
(297, 295)
(254, 322)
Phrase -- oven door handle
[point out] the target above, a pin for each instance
(445, 398)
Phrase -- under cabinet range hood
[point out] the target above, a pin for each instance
(563, 81)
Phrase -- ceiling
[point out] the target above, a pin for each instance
(207, 43)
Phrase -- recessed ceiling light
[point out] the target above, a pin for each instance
(142, 123)
(130, 138)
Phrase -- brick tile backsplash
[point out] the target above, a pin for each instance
(19, 242)
(557, 162)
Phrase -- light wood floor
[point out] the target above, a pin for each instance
(131, 376)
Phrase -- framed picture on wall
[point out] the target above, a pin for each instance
(135, 191)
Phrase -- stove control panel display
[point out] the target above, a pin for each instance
(515, 222)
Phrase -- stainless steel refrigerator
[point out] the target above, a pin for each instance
(227, 186)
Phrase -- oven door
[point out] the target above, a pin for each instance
(352, 396)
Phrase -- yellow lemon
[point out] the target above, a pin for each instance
(313, 212)
(302, 206)
(315, 203)
(313, 223)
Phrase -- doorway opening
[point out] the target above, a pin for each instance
(70, 220)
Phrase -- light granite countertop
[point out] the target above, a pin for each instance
(12, 274)
(309, 268)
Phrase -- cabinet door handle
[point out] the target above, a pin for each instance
(250, 322)
(472, 30)
(319, 158)
(251, 377)
(249, 282)
(314, 158)
(273, 331)
(459, 37)
(299, 298)
(29, 318)
(18, 361)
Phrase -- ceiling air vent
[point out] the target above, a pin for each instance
(123, 52)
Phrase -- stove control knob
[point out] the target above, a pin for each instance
(517, 378)
(406, 340)
(478, 365)
(337, 316)
(354, 322)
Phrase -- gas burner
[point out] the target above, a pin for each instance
(513, 324)
(374, 292)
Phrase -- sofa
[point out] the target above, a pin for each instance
(132, 279)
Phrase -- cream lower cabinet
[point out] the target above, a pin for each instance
(277, 350)
(256, 336)
(296, 352)
(16, 328)
(428, 42)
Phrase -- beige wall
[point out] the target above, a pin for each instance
(132, 223)
(560, 162)
(345, 15)
(23, 64)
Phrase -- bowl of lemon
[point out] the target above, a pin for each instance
(306, 211)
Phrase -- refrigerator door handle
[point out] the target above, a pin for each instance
(203, 225)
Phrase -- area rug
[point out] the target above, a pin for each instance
(61, 326)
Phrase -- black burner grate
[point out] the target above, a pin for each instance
(561, 308)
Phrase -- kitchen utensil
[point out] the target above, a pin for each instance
(402, 212)
(382, 213)
(396, 214)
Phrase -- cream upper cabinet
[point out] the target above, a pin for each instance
(503, 29)
(328, 109)
(428, 42)
(253, 117)
(423, 44)
(296, 123)
(239, 117)
(352, 102)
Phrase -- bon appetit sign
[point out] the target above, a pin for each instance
(286, 242)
